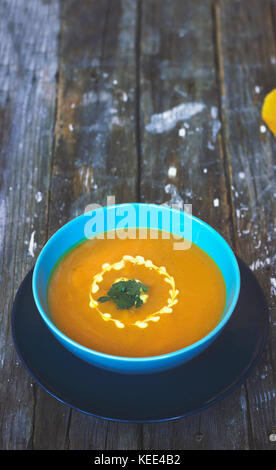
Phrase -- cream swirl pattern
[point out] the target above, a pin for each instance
(139, 260)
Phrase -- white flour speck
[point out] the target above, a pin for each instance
(172, 172)
(205, 170)
(273, 286)
(214, 112)
(71, 128)
(32, 244)
(258, 245)
(182, 132)
(262, 129)
(257, 89)
(2, 220)
(115, 121)
(257, 264)
(215, 129)
(216, 125)
(210, 146)
(182, 32)
(38, 196)
(164, 122)
(124, 96)
(216, 202)
(176, 200)
(243, 402)
(180, 92)
(241, 175)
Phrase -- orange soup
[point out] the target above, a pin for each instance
(136, 297)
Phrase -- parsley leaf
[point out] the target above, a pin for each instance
(125, 294)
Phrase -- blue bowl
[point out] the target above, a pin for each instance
(145, 216)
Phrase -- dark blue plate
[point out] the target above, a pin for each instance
(144, 398)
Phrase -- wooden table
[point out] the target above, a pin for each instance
(151, 101)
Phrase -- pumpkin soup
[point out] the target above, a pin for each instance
(136, 297)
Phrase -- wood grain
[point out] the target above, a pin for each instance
(95, 157)
(28, 66)
(247, 73)
(178, 69)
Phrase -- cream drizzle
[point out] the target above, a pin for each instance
(139, 260)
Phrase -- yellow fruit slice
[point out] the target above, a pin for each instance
(269, 111)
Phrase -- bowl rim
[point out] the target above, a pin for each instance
(147, 359)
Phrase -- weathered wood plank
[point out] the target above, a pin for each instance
(96, 129)
(28, 65)
(213, 429)
(90, 433)
(183, 160)
(95, 156)
(247, 56)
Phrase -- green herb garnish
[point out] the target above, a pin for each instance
(125, 294)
